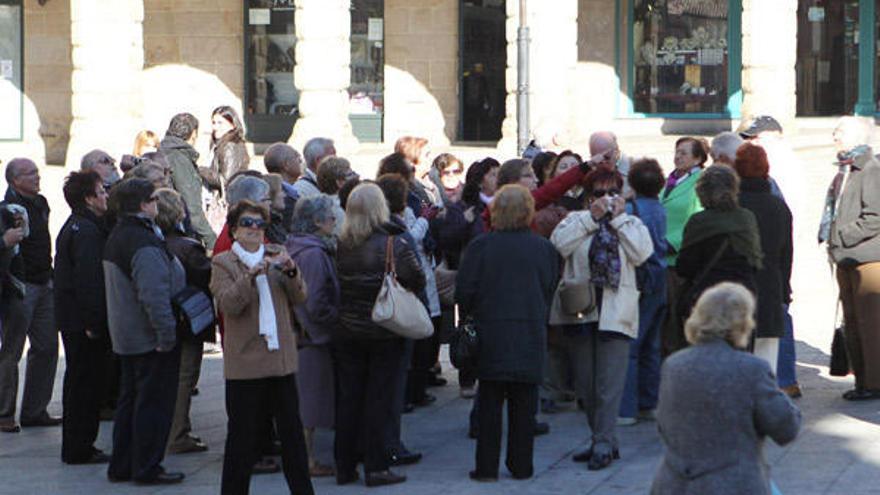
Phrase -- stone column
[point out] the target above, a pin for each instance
(552, 61)
(322, 73)
(108, 56)
(769, 80)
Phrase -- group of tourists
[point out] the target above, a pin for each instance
(568, 281)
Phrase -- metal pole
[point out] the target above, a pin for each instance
(522, 81)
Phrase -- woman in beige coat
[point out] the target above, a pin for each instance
(602, 247)
(256, 287)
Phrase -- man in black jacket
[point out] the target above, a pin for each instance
(36, 321)
(81, 313)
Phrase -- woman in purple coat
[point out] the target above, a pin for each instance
(309, 246)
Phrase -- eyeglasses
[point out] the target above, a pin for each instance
(598, 193)
(252, 223)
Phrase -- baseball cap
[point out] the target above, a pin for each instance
(762, 123)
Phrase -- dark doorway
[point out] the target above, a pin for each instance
(483, 59)
(827, 57)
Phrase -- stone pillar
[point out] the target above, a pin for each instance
(553, 53)
(322, 73)
(108, 56)
(769, 80)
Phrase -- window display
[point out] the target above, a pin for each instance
(272, 97)
(827, 57)
(11, 97)
(367, 90)
(681, 56)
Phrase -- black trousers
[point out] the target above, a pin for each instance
(367, 374)
(247, 401)
(423, 359)
(522, 404)
(84, 387)
(147, 394)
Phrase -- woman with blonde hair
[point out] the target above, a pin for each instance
(368, 356)
(717, 404)
(417, 153)
(145, 141)
(512, 326)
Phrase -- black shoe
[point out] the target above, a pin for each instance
(600, 461)
(482, 477)
(163, 478)
(382, 478)
(404, 457)
(855, 394)
(408, 408)
(107, 414)
(44, 420)
(548, 406)
(272, 448)
(473, 432)
(541, 428)
(585, 455)
(437, 381)
(112, 478)
(188, 446)
(265, 465)
(346, 478)
(194, 392)
(427, 400)
(97, 457)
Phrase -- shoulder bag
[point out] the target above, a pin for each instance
(397, 309)
(464, 345)
(194, 310)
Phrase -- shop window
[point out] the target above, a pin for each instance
(11, 70)
(827, 57)
(483, 58)
(271, 97)
(367, 90)
(681, 56)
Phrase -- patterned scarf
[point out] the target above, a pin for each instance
(605, 257)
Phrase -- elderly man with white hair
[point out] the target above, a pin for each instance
(606, 142)
(315, 150)
(852, 232)
(724, 147)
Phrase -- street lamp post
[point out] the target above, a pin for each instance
(522, 81)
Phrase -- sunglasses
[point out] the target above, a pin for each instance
(252, 223)
(598, 193)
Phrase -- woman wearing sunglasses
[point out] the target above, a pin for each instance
(602, 246)
(256, 286)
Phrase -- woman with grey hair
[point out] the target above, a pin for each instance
(310, 247)
(718, 404)
(720, 243)
(246, 185)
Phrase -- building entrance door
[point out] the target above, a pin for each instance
(483, 59)
(827, 57)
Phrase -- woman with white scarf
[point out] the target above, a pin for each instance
(256, 286)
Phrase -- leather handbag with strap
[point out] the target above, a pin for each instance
(194, 310)
(397, 309)
(445, 284)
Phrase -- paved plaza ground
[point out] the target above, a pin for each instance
(837, 452)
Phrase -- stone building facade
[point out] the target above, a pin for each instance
(97, 71)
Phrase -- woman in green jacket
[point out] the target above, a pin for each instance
(679, 199)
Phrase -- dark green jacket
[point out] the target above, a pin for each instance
(185, 176)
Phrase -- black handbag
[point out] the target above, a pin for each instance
(464, 345)
(194, 310)
(839, 362)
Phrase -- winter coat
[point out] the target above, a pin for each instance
(307, 184)
(229, 156)
(361, 271)
(36, 248)
(318, 315)
(140, 278)
(505, 282)
(182, 158)
(717, 405)
(197, 266)
(773, 279)
(79, 274)
(246, 354)
(454, 228)
(418, 229)
(854, 231)
(620, 307)
(680, 203)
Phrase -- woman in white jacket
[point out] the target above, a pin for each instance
(602, 248)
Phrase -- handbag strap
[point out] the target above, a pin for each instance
(389, 256)
(714, 261)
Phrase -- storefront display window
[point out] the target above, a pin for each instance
(483, 58)
(11, 69)
(271, 97)
(367, 90)
(681, 56)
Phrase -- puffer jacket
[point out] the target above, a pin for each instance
(620, 307)
(361, 270)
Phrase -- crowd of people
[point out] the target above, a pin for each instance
(579, 278)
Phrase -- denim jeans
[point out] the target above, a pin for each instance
(643, 374)
(786, 374)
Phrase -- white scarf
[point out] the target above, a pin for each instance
(268, 325)
(486, 199)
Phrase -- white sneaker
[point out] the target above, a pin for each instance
(622, 421)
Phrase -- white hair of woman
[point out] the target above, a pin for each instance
(724, 311)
